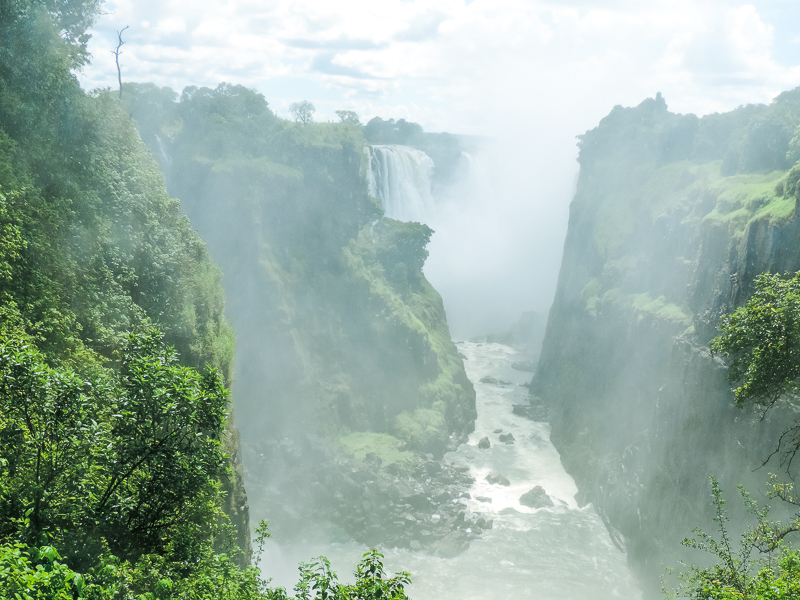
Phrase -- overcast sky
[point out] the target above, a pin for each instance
(532, 74)
(468, 66)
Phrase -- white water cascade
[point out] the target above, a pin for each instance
(400, 176)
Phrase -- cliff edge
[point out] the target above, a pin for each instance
(673, 218)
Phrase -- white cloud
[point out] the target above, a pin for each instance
(463, 60)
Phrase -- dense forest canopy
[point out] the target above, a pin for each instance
(114, 348)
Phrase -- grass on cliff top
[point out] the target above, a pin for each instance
(387, 447)
(698, 190)
(642, 304)
(745, 198)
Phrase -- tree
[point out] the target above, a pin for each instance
(302, 111)
(319, 582)
(348, 116)
(763, 340)
(133, 459)
(116, 52)
(750, 573)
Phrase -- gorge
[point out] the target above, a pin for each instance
(147, 233)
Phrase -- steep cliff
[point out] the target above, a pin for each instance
(673, 218)
(343, 349)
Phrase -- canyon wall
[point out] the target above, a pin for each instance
(673, 218)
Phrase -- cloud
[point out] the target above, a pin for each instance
(324, 63)
(340, 44)
(465, 60)
(422, 27)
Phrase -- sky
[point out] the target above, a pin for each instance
(530, 75)
(459, 65)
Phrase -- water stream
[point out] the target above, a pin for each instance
(401, 177)
(558, 553)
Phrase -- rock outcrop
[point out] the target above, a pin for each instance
(673, 218)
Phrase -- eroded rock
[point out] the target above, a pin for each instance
(536, 498)
(497, 479)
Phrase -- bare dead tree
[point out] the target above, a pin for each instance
(116, 54)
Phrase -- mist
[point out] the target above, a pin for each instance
(499, 234)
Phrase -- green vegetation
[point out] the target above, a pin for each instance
(644, 170)
(383, 445)
(114, 350)
(109, 487)
(760, 569)
(673, 217)
(326, 285)
(763, 340)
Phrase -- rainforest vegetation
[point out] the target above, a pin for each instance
(118, 464)
(762, 341)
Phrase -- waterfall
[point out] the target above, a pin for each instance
(163, 156)
(400, 177)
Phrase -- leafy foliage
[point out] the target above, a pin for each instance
(319, 582)
(111, 466)
(761, 569)
(763, 340)
(348, 116)
(132, 459)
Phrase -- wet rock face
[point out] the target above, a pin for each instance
(528, 366)
(641, 413)
(419, 507)
(536, 498)
(497, 479)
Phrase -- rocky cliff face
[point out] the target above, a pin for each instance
(344, 360)
(673, 218)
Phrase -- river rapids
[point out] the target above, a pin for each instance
(558, 553)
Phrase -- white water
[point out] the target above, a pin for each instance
(559, 553)
(401, 177)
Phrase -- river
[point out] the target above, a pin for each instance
(558, 553)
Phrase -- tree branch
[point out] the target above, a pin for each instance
(116, 54)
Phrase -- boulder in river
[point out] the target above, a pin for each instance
(484, 443)
(507, 438)
(529, 366)
(483, 499)
(530, 411)
(451, 545)
(498, 431)
(489, 379)
(536, 498)
(496, 478)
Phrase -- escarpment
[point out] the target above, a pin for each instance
(673, 218)
(343, 349)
